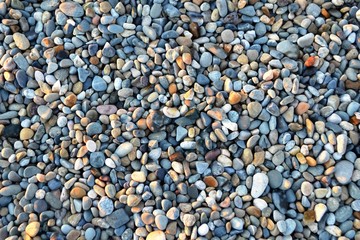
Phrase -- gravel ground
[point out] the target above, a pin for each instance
(165, 119)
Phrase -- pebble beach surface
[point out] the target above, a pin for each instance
(164, 119)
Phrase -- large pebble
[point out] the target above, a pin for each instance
(124, 149)
(344, 171)
(72, 9)
(21, 41)
(259, 184)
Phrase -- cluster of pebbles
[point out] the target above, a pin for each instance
(165, 119)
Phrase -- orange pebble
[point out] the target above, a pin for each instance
(325, 13)
(354, 120)
(210, 181)
(310, 61)
(172, 88)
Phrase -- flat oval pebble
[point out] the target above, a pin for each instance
(171, 112)
(106, 109)
(21, 41)
(260, 182)
(72, 9)
(124, 149)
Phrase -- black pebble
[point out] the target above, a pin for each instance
(12, 131)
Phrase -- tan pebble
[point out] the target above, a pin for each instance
(172, 88)
(77, 88)
(234, 97)
(254, 211)
(77, 192)
(105, 7)
(243, 59)
(180, 63)
(141, 123)
(268, 75)
(138, 176)
(70, 100)
(133, 200)
(186, 57)
(171, 112)
(32, 229)
(156, 235)
(26, 133)
(300, 157)
(21, 41)
(311, 161)
(270, 224)
(147, 218)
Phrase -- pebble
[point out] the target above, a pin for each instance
(227, 36)
(275, 178)
(344, 171)
(237, 223)
(72, 9)
(97, 159)
(307, 188)
(21, 41)
(161, 222)
(341, 143)
(320, 210)
(124, 149)
(99, 84)
(259, 184)
(189, 220)
(44, 112)
(138, 176)
(117, 218)
(289, 49)
(105, 206)
(93, 128)
(10, 190)
(305, 40)
(32, 229)
(156, 235)
(254, 109)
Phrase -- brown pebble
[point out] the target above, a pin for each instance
(77, 192)
(302, 107)
(178, 156)
(254, 211)
(180, 63)
(94, 60)
(234, 97)
(210, 181)
(309, 217)
(212, 155)
(354, 120)
(194, 29)
(70, 100)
